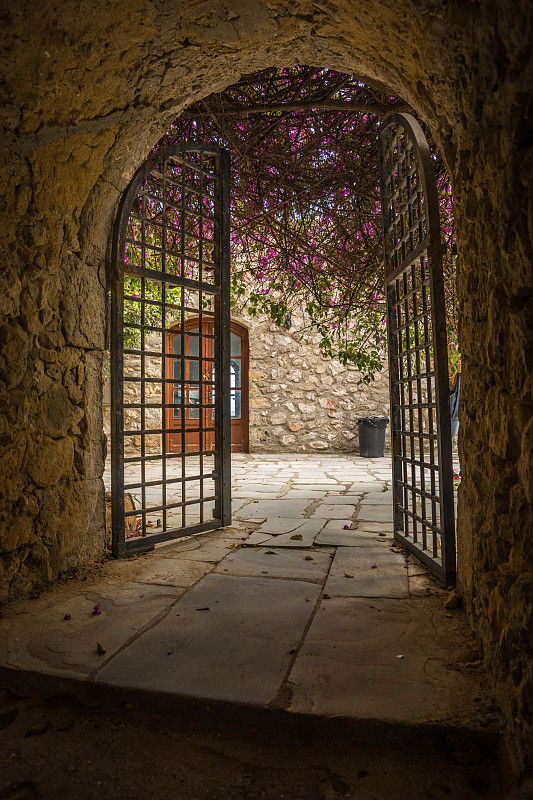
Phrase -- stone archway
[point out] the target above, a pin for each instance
(88, 92)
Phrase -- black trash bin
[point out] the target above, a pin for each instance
(372, 436)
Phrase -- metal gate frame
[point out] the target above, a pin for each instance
(416, 325)
(156, 165)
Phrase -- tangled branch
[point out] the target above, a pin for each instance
(306, 226)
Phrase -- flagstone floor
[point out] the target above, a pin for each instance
(305, 603)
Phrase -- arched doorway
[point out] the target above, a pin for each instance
(239, 355)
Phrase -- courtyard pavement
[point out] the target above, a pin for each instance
(305, 603)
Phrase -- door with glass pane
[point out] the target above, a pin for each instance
(239, 388)
(198, 367)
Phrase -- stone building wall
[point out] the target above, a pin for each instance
(87, 91)
(299, 401)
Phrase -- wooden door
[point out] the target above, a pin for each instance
(196, 384)
(198, 430)
(239, 388)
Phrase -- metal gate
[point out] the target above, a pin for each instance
(170, 265)
(419, 392)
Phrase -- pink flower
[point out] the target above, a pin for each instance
(374, 566)
(346, 527)
(67, 616)
(96, 610)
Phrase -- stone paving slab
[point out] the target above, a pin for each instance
(254, 539)
(209, 547)
(388, 578)
(238, 503)
(369, 485)
(382, 513)
(162, 569)
(322, 486)
(280, 525)
(37, 637)
(249, 497)
(338, 524)
(239, 650)
(377, 499)
(334, 511)
(304, 494)
(252, 489)
(282, 563)
(349, 663)
(342, 499)
(352, 474)
(375, 527)
(338, 537)
(305, 534)
(263, 509)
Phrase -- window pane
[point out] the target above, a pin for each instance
(235, 373)
(194, 350)
(235, 345)
(194, 370)
(177, 345)
(194, 399)
(194, 343)
(236, 404)
(176, 412)
(177, 369)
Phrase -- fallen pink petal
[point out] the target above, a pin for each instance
(346, 527)
(374, 566)
(96, 610)
(67, 616)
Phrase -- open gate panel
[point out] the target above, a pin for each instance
(420, 412)
(171, 260)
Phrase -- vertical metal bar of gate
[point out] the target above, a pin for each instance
(416, 322)
(170, 272)
(222, 351)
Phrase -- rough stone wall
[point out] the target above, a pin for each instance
(299, 401)
(51, 334)
(88, 88)
(302, 402)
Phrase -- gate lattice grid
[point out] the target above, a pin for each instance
(420, 411)
(171, 261)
